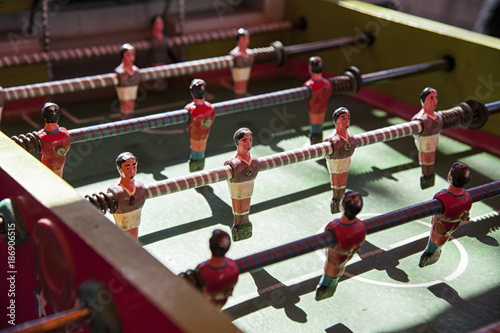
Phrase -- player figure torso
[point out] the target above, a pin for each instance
(125, 78)
(54, 147)
(430, 126)
(200, 120)
(321, 91)
(242, 171)
(242, 60)
(219, 281)
(350, 236)
(455, 206)
(125, 203)
(341, 148)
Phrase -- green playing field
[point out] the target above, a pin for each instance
(383, 289)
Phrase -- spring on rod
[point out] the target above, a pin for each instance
(30, 141)
(103, 201)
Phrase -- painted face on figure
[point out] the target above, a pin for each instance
(244, 41)
(128, 168)
(245, 143)
(158, 25)
(343, 122)
(129, 57)
(431, 101)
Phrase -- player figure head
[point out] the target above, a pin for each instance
(243, 38)
(352, 204)
(315, 65)
(127, 53)
(157, 23)
(340, 111)
(126, 163)
(459, 174)
(243, 140)
(342, 119)
(241, 32)
(219, 243)
(198, 88)
(51, 113)
(429, 99)
(240, 134)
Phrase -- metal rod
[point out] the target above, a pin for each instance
(182, 116)
(186, 68)
(114, 49)
(374, 224)
(425, 209)
(340, 86)
(325, 148)
(446, 63)
(493, 107)
(215, 35)
(295, 156)
(193, 180)
(319, 45)
(110, 79)
(452, 117)
(279, 160)
(269, 54)
(388, 133)
(287, 251)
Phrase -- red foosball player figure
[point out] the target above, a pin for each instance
(457, 202)
(128, 80)
(219, 274)
(427, 140)
(339, 162)
(350, 234)
(130, 195)
(245, 168)
(243, 62)
(55, 141)
(321, 90)
(201, 118)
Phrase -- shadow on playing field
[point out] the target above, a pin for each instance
(462, 316)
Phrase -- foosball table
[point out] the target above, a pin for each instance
(69, 267)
